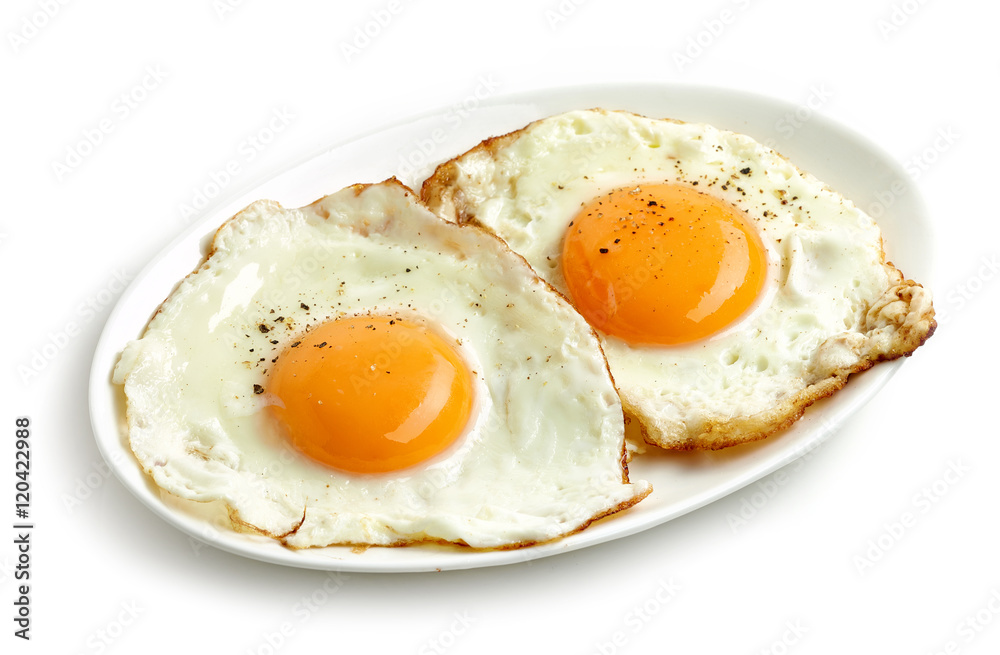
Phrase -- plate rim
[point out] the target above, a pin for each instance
(102, 403)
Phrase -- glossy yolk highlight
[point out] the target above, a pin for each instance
(662, 264)
(371, 394)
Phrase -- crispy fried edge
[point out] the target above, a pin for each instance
(441, 194)
(242, 526)
(462, 544)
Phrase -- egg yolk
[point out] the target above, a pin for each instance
(371, 394)
(662, 263)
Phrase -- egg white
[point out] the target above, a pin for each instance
(826, 265)
(541, 457)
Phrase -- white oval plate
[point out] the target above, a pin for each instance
(682, 482)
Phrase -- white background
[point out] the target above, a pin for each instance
(918, 79)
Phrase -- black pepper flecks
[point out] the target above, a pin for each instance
(257, 389)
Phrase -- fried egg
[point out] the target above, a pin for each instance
(359, 371)
(731, 289)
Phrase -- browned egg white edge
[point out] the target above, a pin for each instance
(239, 525)
(440, 193)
